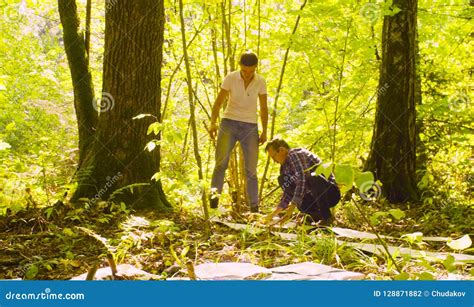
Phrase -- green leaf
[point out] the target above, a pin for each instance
(10, 127)
(69, 255)
(449, 263)
(32, 272)
(364, 181)
(397, 213)
(324, 169)
(156, 176)
(374, 218)
(461, 243)
(48, 212)
(344, 176)
(123, 206)
(156, 127)
(402, 276)
(68, 232)
(184, 251)
(425, 276)
(413, 237)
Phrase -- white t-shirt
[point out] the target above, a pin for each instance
(242, 105)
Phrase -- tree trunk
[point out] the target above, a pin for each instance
(393, 149)
(81, 77)
(131, 86)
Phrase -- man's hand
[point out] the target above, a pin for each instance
(221, 97)
(284, 219)
(288, 213)
(268, 220)
(213, 131)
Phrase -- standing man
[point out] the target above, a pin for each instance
(312, 195)
(239, 123)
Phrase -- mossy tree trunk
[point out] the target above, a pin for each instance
(131, 86)
(393, 150)
(76, 53)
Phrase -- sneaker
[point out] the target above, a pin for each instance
(214, 202)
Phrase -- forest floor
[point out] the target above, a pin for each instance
(63, 241)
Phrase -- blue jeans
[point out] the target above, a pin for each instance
(231, 131)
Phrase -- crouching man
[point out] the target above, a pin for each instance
(312, 195)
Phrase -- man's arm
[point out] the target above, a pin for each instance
(287, 216)
(269, 218)
(263, 117)
(289, 212)
(221, 97)
(298, 172)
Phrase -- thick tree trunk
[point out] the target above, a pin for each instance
(131, 86)
(81, 77)
(393, 148)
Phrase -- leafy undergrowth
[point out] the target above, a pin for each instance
(447, 220)
(63, 241)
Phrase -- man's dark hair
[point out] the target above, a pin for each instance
(275, 144)
(248, 59)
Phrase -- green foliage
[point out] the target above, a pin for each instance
(31, 272)
(35, 100)
(326, 104)
(397, 214)
(364, 181)
(345, 177)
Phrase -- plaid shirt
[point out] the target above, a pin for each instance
(297, 168)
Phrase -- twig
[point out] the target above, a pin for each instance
(275, 104)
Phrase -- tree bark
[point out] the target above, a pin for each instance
(81, 76)
(393, 149)
(131, 86)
